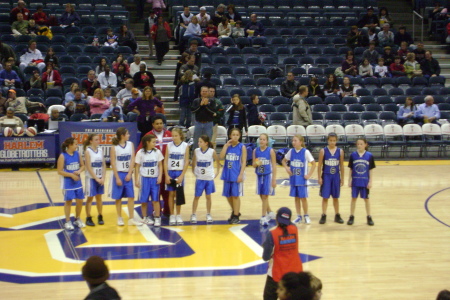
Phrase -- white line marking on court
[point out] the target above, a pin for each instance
(55, 248)
(247, 240)
(6, 215)
(38, 222)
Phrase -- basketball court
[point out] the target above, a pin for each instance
(404, 256)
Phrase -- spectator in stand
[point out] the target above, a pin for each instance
(210, 35)
(145, 108)
(148, 24)
(107, 79)
(35, 81)
(183, 60)
(9, 78)
(365, 69)
(101, 66)
(386, 37)
(20, 9)
(406, 113)
(190, 65)
(108, 93)
(384, 17)
(388, 56)
(183, 21)
(203, 17)
(97, 103)
(135, 65)
(254, 28)
(302, 114)
(412, 67)
(237, 117)
(314, 89)
(51, 57)
(20, 104)
(161, 35)
(193, 50)
(224, 28)
(192, 30)
(219, 14)
(95, 272)
(33, 28)
(204, 109)
(369, 20)
(122, 76)
(237, 31)
(430, 66)
(91, 83)
(19, 27)
(403, 51)
(349, 66)
(114, 111)
(397, 68)
(2, 104)
(51, 78)
(70, 17)
(289, 87)
(10, 115)
(6, 52)
(428, 112)
(373, 37)
(252, 111)
(357, 38)
(32, 57)
(371, 54)
(434, 15)
(143, 78)
(331, 86)
(419, 52)
(218, 116)
(76, 105)
(55, 115)
(135, 94)
(232, 14)
(403, 36)
(40, 17)
(186, 88)
(126, 38)
(69, 96)
(15, 67)
(120, 60)
(381, 70)
(111, 39)
(347, 89)
(206, 81)
(157, 6)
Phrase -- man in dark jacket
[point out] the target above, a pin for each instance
(289, 86)
(252, 112)
(95, 272)
(402, 36)
(357, 38)
(370, 20)
(430, 66)
(206, 81)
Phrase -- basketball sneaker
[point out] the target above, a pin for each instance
(235, 220)
(338, 219)
(179, 220)
(370, 221)
(323, 219)
(209, 219)
(79, 223)
(307, 220)
(89, 221)
(150, 221)
(172, 220)
(145, 220)
(134, 222)
(68, 225)
(120, 221)
(193, 219)
(264, 221)
(271, 216)
(157, 221)
(298, 220)
(351, 220)
(100, 220)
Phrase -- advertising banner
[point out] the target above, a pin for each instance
(24, 149)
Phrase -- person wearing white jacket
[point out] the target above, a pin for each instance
(32, 57)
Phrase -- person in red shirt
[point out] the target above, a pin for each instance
(19, 9)
(281, 250)
(397, 68)
(40, 17)
(51, 76)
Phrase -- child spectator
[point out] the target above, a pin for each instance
(397, 69)
(111, 39)
(403, 51)
(365, 69)
(237, 31)
(381, 70)
(210, 35)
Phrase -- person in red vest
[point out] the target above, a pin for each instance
(163, 137)
(281, 250)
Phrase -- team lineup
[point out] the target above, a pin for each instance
(160, 166)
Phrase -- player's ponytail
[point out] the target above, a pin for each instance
(88, 141)
(284, 228)
(205, 138)
(67, 142)
(121, 131)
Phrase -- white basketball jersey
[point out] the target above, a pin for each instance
(149, 162)
(96, 162)
(123, 157)
(204, 170)
(176, 155)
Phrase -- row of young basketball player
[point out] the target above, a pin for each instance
(149, 164)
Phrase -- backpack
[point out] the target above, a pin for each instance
(280, 154)
(275, 72)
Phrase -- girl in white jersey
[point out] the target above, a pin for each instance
(148, 176)
(175, 168)
(95, 176)
(203, 169)
(122, 163)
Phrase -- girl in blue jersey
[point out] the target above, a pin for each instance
(122, 163)
(361, 164)
(176, 164)
(264, 162)
(203, 169)
(95, 176)
(235, 155)
(330, 172)
(148, 176)
(299, 158)
(70, 165)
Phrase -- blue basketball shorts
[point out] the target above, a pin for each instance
(125, 190)
(299, 191)
(331, 186)
(264, 185)
(73, 194)
(93, 188)
(233, 189)
(363, 192)
(173, 174)
(149, 190)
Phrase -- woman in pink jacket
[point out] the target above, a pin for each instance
(98, 103)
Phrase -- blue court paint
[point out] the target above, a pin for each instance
(428, 210)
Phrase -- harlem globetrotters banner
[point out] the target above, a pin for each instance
(107, 130)
(24, 149)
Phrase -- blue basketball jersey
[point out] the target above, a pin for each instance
(361, 165)
(266, 162)
(71, 164)
(298, 167)
(331, 162)
(232, 164)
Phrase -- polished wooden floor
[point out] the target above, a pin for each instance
(406, 255)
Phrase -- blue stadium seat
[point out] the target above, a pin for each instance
(374, 107)
(83, 60)
(356, 108)
(321, 108)
(350, 118)
(384, 100)
(349, 100)
(280, 100)
(49, 101)
(230, 81)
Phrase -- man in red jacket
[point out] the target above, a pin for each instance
(19, 9)
(163, 137)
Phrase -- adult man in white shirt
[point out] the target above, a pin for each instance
(134, 67)
(203, 17)
(126, 93)
(107, 79)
